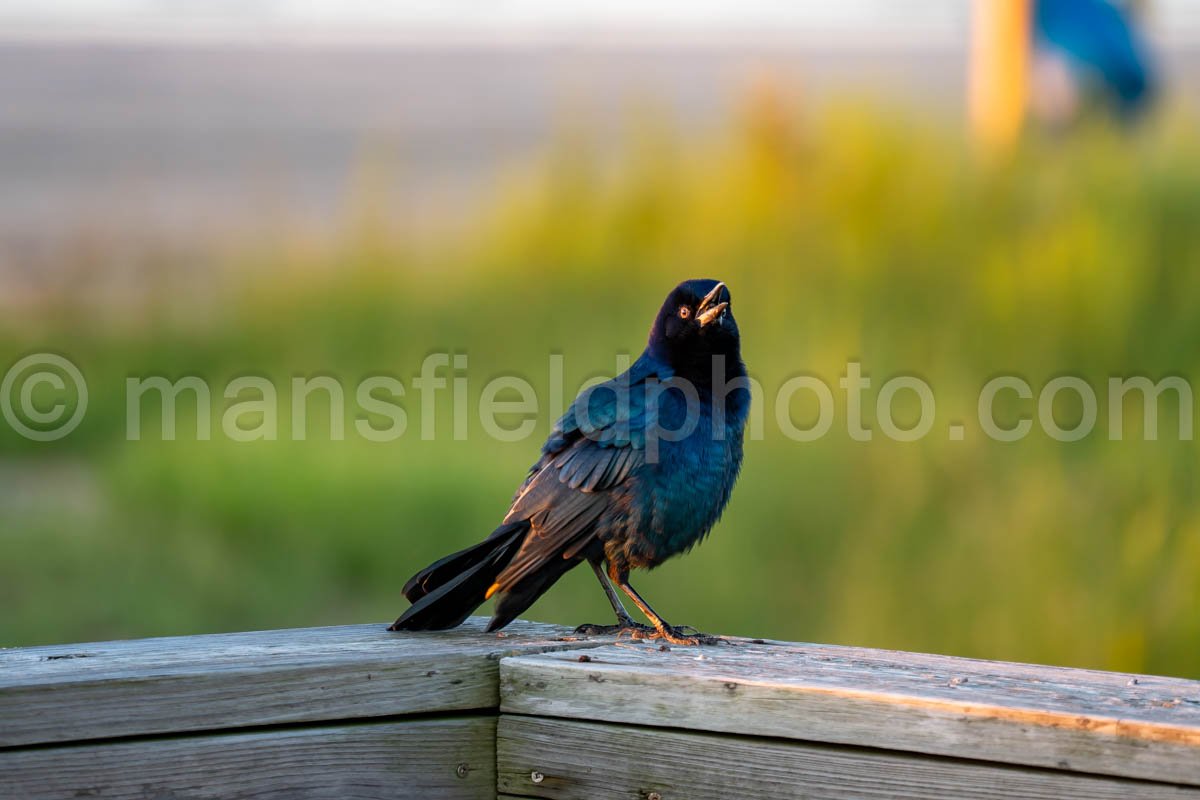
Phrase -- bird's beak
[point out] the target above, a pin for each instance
(709, 309)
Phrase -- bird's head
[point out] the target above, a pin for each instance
(694, 324)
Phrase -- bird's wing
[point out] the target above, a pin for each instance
(601, 437)
(593, 449)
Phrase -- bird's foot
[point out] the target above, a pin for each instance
(685, 635)
(633, 629)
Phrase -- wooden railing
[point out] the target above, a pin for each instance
(357, 712)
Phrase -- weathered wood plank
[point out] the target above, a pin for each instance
(426, 758)
(567, 760)
(1086, 721)
(169, 685)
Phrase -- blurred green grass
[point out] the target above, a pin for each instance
(853, 233)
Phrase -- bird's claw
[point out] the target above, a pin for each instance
(687, 636)
(683, 635)
(687, 630)
(634, 629)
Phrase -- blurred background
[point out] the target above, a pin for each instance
(939, 188)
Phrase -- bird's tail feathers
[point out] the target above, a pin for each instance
(515, 599)
(445, 593)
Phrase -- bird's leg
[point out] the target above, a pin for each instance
(625, 622)
(663, 630)
(611, 593)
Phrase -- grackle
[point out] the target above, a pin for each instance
(637, 470)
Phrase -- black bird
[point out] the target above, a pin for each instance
(637, 470)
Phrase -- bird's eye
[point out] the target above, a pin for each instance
(684, 312)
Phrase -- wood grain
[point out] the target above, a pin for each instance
(1087, 721)
(221, 681)
(596, 761)
(429, 758)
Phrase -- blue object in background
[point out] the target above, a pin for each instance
(1101, 44)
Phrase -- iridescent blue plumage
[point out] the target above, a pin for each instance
(637, 470)
(1100, 42)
